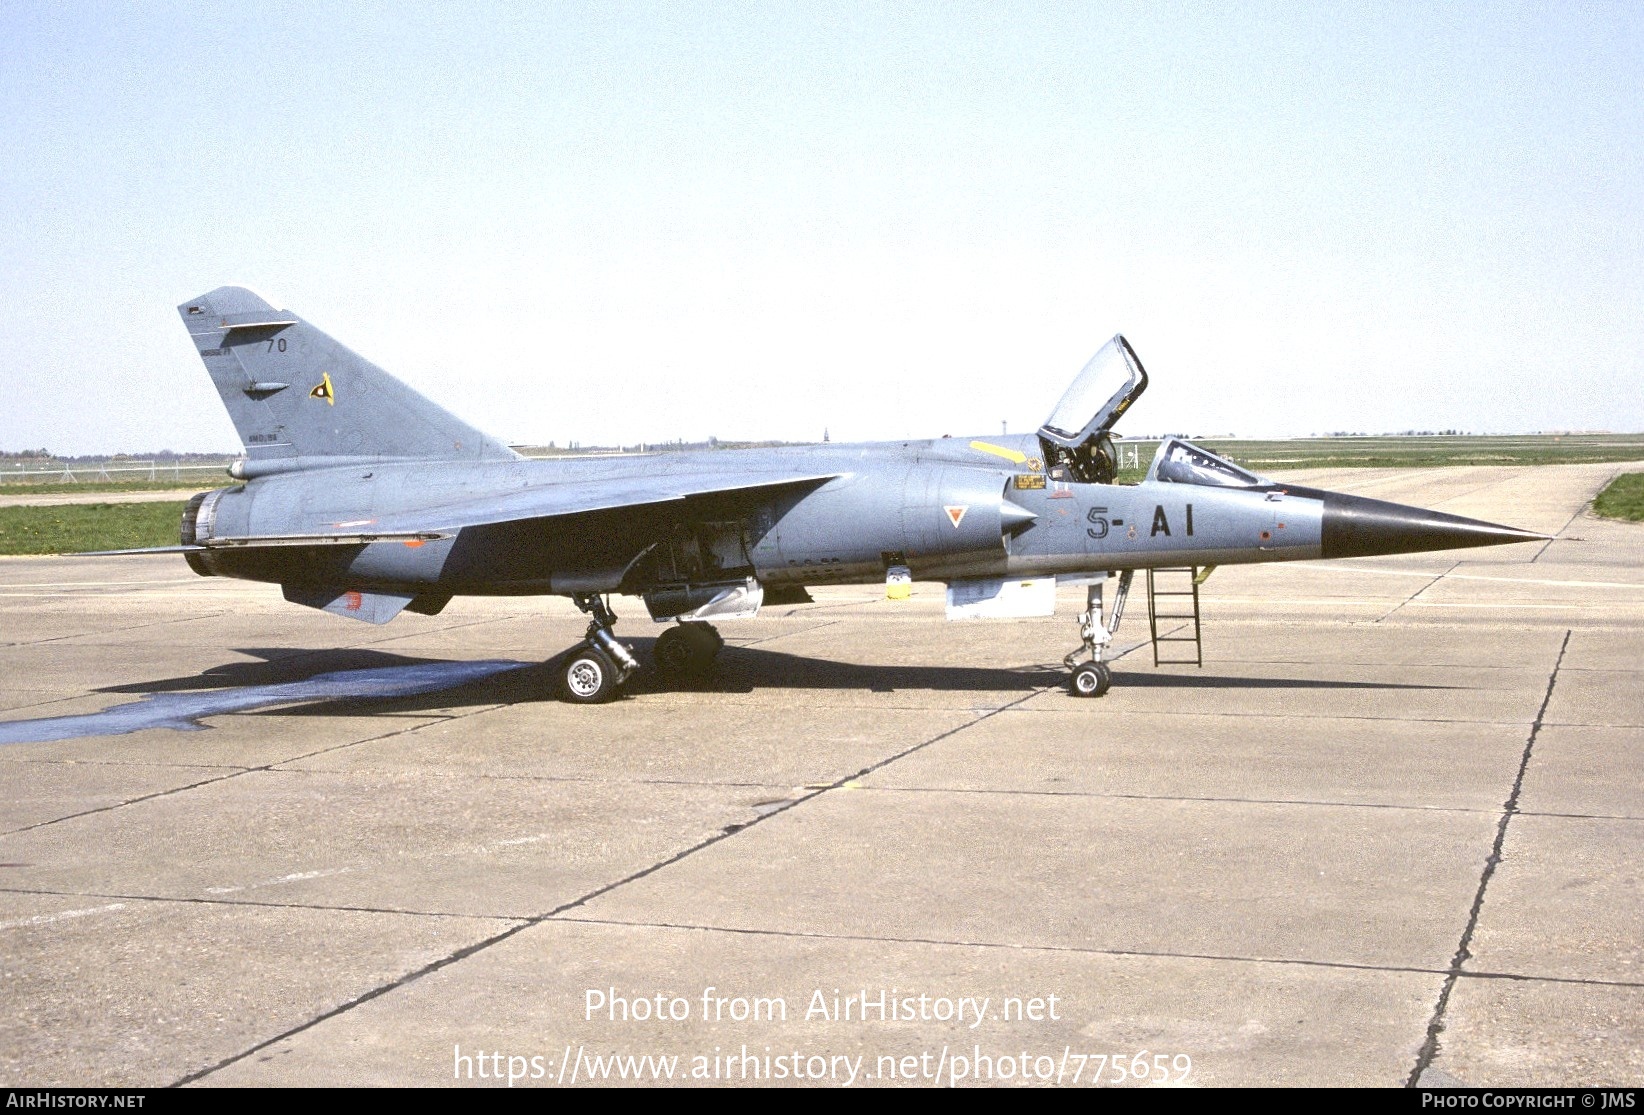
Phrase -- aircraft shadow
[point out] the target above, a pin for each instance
(744, 669)
(739, 670)
(275, 666)
(283, 674)
(1198, 680)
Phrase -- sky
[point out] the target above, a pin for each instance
(620, 222)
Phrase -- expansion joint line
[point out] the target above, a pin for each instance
(237, 772)
(1430, 1047)
(537, 919)
(1418, 592)
(1580, 511)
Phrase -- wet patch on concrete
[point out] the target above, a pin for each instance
(184, 711)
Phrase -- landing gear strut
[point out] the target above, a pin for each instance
(596, 670)
(1093, 678)
(689, 649)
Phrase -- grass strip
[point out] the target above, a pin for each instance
(1622, 498)
(74, 527)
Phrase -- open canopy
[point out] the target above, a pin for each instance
(1100, 393)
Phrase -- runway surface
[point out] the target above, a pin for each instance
(1390, 831)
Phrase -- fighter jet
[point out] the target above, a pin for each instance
(361, 497)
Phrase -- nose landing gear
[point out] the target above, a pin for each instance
(1094, 678)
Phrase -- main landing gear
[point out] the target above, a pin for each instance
(1093, 678)
(597, 669)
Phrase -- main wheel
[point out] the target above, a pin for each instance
(687, 650)
(1092, 679)
(707, 632)
(589, 676)
(672, 651)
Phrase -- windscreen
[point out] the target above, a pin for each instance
(1099, 395)
(1182, 462)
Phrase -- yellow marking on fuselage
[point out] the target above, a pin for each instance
(1010, 455)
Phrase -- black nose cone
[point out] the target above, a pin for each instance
(1358, 527)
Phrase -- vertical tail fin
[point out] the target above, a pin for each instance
(299, 399)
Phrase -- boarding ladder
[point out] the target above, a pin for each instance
(1172, 597)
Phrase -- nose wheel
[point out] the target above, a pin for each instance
(1093, 678)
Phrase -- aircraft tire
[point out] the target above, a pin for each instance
(708, 633)
(1093, 679)
(687, 650)
(588, 677)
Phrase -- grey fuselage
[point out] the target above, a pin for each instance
(948, 509)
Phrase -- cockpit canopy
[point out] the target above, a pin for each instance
(1178, 461)
(1104, 390)
(1076, 437)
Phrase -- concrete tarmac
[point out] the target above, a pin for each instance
(1390, 831)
